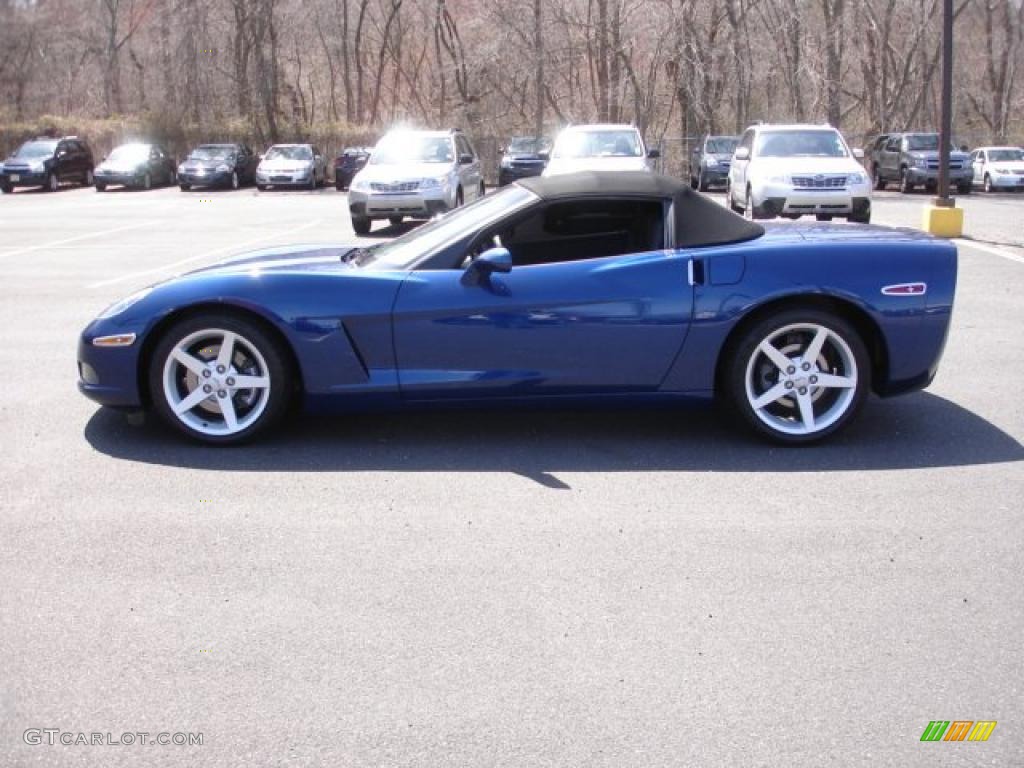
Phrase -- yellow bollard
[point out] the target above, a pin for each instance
(943, 221)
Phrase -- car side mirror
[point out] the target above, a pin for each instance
(742, 153)
(858, 153)
(487, 263)
(465, 159)
(653, 153)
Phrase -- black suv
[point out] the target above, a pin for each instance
(525, 156)
(46, 162)
(346, 165)
(912, 159)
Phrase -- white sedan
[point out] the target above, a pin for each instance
(998, 167)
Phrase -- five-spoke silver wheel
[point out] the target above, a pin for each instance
(799, 375)
(219, 379)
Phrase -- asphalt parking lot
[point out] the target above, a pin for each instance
(474, 589)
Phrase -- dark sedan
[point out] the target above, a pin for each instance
(218, 165)
(525, 156)
(135, 165)
(348, 164)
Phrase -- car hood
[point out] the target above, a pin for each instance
(191, 164)
(1011, 165)
(404, 171)
(119, 167)
(807, 165)
(558, 166)
(283, 258)
(279, 163)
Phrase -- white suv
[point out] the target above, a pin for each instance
(793, 170)
(414, 173)
(601, 147)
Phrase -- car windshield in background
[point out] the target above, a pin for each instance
(289, 153)
(721, 146)
(405, 148)
(925, 142)
(526, 145)
(1006, 155)
(36, 149)
(800, 144)
(598, 144)
(210, 153)
(129, 153)
(407, 249)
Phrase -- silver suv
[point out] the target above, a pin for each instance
(414, 173)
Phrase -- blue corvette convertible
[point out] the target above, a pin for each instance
(621, 287)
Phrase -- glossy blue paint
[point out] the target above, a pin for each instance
(620, 328)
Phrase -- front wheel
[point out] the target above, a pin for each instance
(234, 180)
(147, 182)
(878, 180)
(100, 186)
(988, 184)
(88, 179)
(798, 375)
(184, 187)
(6, 188)
(394, 221)
(964, 189)
(219, 378)
(52, 183)
(361, 225)
(906, 186)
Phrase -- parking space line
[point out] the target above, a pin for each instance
(204, 255)
(960, 241)
(55, 243)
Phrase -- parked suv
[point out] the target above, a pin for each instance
(523, 157)
(602, 147)
(415, 173)
(794, 170)
(998, 168)
(46, 162)
(912, 159)
(710, 161)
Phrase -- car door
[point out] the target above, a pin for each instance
(978, 164)
(738, 168)
(610, 324)
(891, 158)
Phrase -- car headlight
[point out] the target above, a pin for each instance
(38, 167)
(120, 306)
(223, 168)
(181, 168)
(434, 183)
(855, 178)
(711, 162)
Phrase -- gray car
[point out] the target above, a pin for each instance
(710, 161)
(912, 160)
(291, 165)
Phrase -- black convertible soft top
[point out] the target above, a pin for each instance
(699, 219)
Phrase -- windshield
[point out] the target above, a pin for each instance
(404, 251)
(399, 148)
(210, 153)
(289, 153)
(129, 153)
(574, 144)
(528, 145)
(800, 144)
(1006, 155)
(36, 149)
(721, 145)
(925, 142)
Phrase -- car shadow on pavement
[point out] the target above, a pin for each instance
(915, 431)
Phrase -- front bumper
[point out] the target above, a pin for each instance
(931, 175)
(423, 203)
(279, 179)
(108, 375)
(783, 199)
(1006, 180)
(127, 179)
(717, 174)
(206, 179)
(20, 178)
(506, 175)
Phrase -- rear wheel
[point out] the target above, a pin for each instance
(100, 186)
(860, 218)
(234, 180)
(964, 189)
(394, 221)
(220, 378)
(906, 186)
(483, 189)
(702, 185)
(823, 216)
(878, 180)
(87, 180)
(6, 189)
(185, 187)
(147, 181)
(458, 198)
(361, 225)
(732, 203)
(798, 375)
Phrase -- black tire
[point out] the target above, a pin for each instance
(732, 203)
(906, 187)
(6, 189)
(459, 199)
(877, 178)
(702, 185)
(87, 178)
(964, 189)
(278, 368)
(694, 183)
(147, 181)
(312, 180)
(860, 218)
(184, 187)
(988, 184)
(839, 405)
(823, 216)
(261, 187)
(52, 183)
(361, 225)
(483, 189)
(339, 186)
(100, 186)
(395, 221)
(234, 182)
